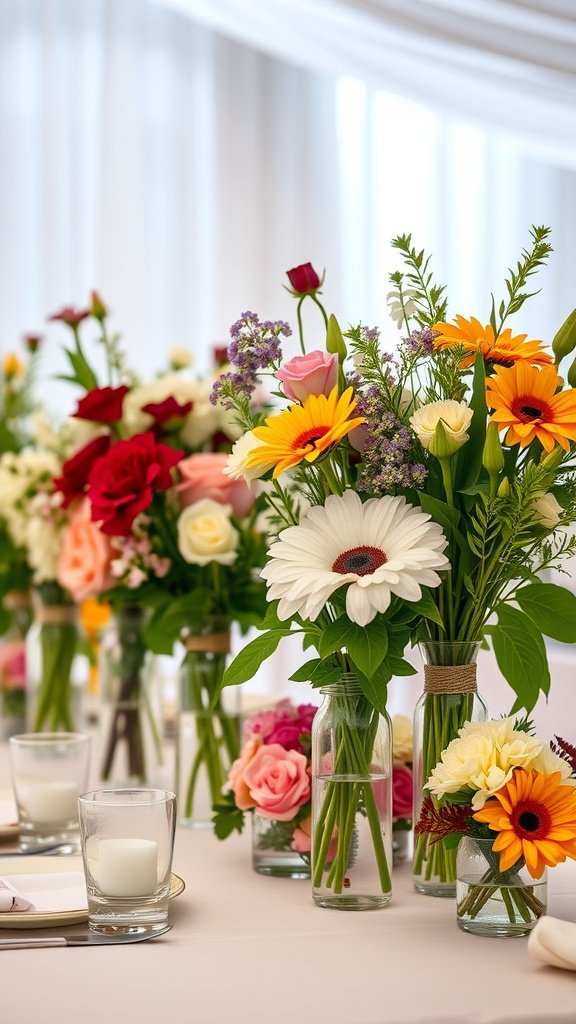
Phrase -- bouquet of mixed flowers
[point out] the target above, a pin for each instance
(498, 782)
(154, 525)
(402, 514)
(271, 779)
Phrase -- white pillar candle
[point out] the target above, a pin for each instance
(127, 867)
(48, 803)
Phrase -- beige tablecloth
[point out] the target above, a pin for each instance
(246, 949)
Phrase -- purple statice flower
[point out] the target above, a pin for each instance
(388, 448)
(254, 346)
(420, 344)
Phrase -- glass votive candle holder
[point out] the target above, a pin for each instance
(49, 771)
(127, 840)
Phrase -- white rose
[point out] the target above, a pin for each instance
(402, 735)
(179, 358)
(549, 511)
(455, 417)
(236, 467)
(206, 534)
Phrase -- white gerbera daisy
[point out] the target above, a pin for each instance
(382, 547)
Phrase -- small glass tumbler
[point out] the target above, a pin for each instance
(494, 902)
(49, 771)
(127, 844)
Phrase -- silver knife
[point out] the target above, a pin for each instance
(85, 939)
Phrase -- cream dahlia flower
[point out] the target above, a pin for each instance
(402, 739)
(455, 417)
(376, 549)
(484, 756)
(241, 449)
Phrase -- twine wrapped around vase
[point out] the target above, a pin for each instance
(211, 643)
(450, 679)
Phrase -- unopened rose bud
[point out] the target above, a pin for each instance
(97, 308)
(504, 488)
(493, 456)
(32, 342)
(551, 463)
(549, 511)
(571, 375)
(565, 338)
(304, 279)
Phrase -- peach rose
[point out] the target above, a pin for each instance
(315, 373)
(278, 781)
(203, 477)
(85, 555)
(236, 781)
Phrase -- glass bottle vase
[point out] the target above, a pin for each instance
(130, 708)
(449, 700)
(208, 732)
(53, 701)
(279, 848)
(351, 801)
(494, 902)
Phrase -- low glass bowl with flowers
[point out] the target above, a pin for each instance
(271, 781)
(507, 801)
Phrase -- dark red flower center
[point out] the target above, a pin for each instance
(531, 820)
(309, 436)
(528, 408)
(362, 561)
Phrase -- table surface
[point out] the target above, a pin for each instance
(249, 949)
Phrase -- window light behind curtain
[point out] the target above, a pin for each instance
(182, 173)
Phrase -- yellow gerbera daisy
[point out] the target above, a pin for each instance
(526, 402)
(504, 350)
(535, 817)
(303, 432)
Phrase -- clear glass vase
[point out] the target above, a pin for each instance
(208, 732)
(351, 801)
(274, 848)
(130, 710)
(53, 702)
(18, 605)
(449, 700)
(494, 902)
(401, 839)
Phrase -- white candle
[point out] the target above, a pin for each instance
(48, 803)
(128, 867)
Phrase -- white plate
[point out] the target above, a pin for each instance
(12, 866)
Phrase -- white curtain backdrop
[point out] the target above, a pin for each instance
(181, 172)
(506, 63)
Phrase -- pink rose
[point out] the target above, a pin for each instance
(302, 836)
(203, 477)
(278, 781)
(85, 555)
(12, 665)
(236, 781)
(313, 374)
(260, 724)
(287, 733)
(401, 793)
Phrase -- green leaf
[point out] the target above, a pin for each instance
(248, 661)
(427, 608)
(337, 636)
(334, 339)
(271, 620)
(551, 608)
(400, 667)
(326, 672)
(168, 620)
(368, 647)
(375, 688)
(305, 672)
(227, 819)
(521, 656)
(442, 513)
(470, 457)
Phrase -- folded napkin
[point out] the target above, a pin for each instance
(11, 899)
(553, 942)
(49, 893)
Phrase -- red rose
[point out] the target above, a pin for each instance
(122, 483)
(304, 279)
(102, 405)
(70, 315)
(32, 342)
(167, 413)
(76, 470)
(220, 355)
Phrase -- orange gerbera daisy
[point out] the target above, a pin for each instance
(535, 817)
(303, 432)
(505, 350)
(526, 401)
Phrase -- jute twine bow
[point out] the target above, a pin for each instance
(212, 643)
(450, 679)
(56, 615)
(15, 600)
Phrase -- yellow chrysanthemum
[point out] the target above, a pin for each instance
(12, 365)
(527, 403)
(505, 350)
(535, 817)
(303, 432)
